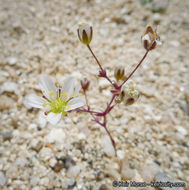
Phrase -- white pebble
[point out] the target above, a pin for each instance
(21, 162)
(107, 146)
(36, 144)
(52, 162)
(42, 119)
(34, 181)
(3, 179)
(182, 130)
(103, 84)
(36, 188)
(12, 60)
(120, 154)
(56, 135)
(73, 171)
(9, 87)
(175, 43)
(70, 182)
(44, 181)
(46, 153)
(162, 177)
(127, 173)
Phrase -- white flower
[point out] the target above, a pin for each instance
(130, 94)
(56, 101)
(85, 33)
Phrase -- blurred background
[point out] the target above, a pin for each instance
(39, 37)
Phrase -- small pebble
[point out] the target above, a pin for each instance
(107, 146)
(162, 177)
(9, 87)
(44, 181)
(104, 187)
(21, 162)
(67, 162)
(182, 130)
(12, 60)
(103, 84)
(56, 135)
(127, 173)
(6, 102)
(45, 153)
(58, 166)
(70, 183)
(73, 171)
(3, 179)
(148, 172)
(36, 144)
(7, 135)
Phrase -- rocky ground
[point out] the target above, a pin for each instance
(39, 37)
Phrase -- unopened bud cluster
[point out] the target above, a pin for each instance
(85, 84)
(119, 73)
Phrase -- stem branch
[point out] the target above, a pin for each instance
(95, 57)
(134, 69)
(98, 62)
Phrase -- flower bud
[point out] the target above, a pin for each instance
(85, 33)
(130, 94)
(150, 39)
(115, 91)
(119, 73)
(85, 84)
(102, 73)
(117, 100)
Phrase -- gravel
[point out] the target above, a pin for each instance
(151, 136)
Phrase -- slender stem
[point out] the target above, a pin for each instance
(96, 120)
(109, 80)
(87, 111)
(134, 69)
(98, 62)
(108, 106)
(86, 99)
(95, 57)
(110, 136)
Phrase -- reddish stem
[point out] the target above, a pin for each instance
(134, 69)
(98, 62)
(110, 136)
(109, 107)
(88, 108)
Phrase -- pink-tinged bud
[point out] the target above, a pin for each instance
(102, 73)
(150, 39)
(119, 73)
(85, 84)
(122, 95)
(117, 100)
(115, 91)
(85, 33)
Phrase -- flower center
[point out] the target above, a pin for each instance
(58, 105)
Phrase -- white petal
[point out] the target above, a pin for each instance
(146, 37)
(77, 89)
(75, 103)
(47, 86)
(159, 42)
(54, 118)
(68, 86)
(86, 27)
(34, 101)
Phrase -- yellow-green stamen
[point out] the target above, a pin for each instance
(58, 106)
